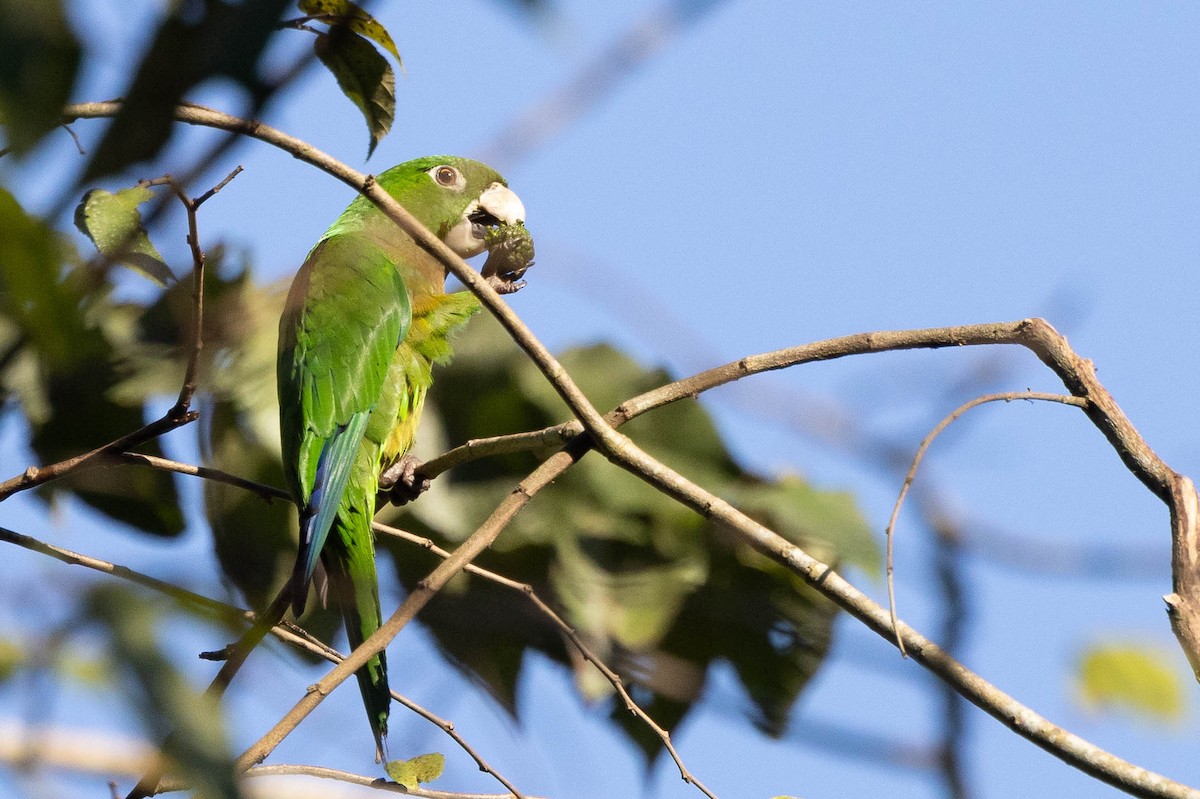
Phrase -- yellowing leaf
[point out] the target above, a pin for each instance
(422, 768)
(1131, 676)
(114, 224)
(364, 76)
(12, 657)
(354, 17)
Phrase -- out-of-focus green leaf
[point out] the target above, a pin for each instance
(1133, 677)
(420, 769)
(632, 606)
(12, 658)
(84, 416)
(114, 224)
(255, 540)
(826, 523)
(354, 17)
(188, 720)
(196, 41)
(39, 57)
(364, 76)
(31, 294)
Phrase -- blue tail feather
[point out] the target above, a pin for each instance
(316, 518)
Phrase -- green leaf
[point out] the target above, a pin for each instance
(1131, 676)
(364, 76)
(826, 523)
(31, 293)
(422, 768)
(39, 59)
(84, 415)
(354, 17)
(114, 224)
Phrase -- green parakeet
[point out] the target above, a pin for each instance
(365, 320)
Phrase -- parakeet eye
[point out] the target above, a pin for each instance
(447, 176)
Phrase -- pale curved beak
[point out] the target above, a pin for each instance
(497, 205)
(501, 202)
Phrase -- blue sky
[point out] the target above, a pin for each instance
(779, 173)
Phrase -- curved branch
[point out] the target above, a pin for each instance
(911, 475)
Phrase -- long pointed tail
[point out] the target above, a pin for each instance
(354, 586)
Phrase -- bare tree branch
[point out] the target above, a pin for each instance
(286, 632)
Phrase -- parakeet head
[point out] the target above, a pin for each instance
(457, 198)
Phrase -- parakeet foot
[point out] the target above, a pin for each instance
(400, 481)
(503, 286)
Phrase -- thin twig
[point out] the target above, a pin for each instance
(527, 591)
(37, 475)
(889, 531)
(264, 491)
(370, 782)
(181, 595)
(477, 448)
(191, 206)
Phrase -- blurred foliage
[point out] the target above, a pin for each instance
(659, 593)
(194, 42)
(188, 721)
(73, 663)
(1134, 677)
(39, 59)
(63, 336)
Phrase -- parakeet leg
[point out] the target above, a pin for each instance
(400, 482)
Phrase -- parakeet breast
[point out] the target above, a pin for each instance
(435, 317)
